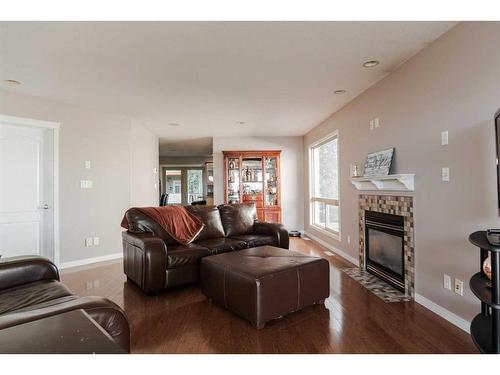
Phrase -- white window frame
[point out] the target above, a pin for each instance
(312, 198)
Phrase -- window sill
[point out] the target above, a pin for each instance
(335, 236)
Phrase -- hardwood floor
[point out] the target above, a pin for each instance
(353, 320)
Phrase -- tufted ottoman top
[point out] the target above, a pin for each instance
(261, 261)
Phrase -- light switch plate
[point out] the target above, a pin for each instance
(88, 241)
(376, 123)
(96, 241)
(86, 184)
(444, 138)
(445, 174)
(447, 282)
(88, 164)
(372, 124)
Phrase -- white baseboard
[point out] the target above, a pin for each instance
(443, 313)
(344, 255)
(83, 262)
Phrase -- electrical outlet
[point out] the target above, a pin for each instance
(372, 124)
(87, 164)
(88, 241)
(447, 282)
(348, 239)
(444, 138)
(96, 241)
(376, 123)
(459, 287)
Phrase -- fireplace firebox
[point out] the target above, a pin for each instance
(384, 247)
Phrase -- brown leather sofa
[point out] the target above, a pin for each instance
(154, 261)
(30, 290)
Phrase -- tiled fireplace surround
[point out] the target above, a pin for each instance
(395, 205)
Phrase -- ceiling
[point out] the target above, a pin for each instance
(186, 147)
(278, 78)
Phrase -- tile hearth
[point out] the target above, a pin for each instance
(375, 285)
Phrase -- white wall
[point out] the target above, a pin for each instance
(453, 85)
(144, 167)
(103, 139)
(292, 192)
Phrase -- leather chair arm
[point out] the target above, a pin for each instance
(105, 312)
(271, 229)
(20, 270)
(145, 260)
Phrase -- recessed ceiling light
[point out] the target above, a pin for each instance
(371, 63)
(240, 122)
(339, 92)
(12, 82)
(174, 124)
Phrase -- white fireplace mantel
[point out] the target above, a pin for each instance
(392, 182)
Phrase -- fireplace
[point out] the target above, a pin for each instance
(384, 247)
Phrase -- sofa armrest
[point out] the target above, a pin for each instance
(20, 270)
(145, 260)
(105, 312)
(277, 230)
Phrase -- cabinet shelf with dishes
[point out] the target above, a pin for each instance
(254, 176)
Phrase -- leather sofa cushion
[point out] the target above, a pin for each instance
(210, 216)
(185, 255)
(29, 295)
(222, 245)
(238, 218)
(140, 222)
(254, 240)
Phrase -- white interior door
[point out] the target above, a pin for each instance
(26, 191)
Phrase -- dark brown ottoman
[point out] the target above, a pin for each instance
(265, 282)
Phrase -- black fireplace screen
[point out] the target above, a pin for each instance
(385, 249)
(384, 235)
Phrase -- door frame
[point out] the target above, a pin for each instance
(54, 126)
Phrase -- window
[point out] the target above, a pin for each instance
(195, 185)
(324, 185)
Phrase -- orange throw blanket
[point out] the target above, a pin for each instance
(176, 220)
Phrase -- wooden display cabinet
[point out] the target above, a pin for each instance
(254, 176)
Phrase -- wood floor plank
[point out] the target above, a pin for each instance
(353, 320)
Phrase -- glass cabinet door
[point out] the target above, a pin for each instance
(251, 176)
(233, 180)
(271, 181)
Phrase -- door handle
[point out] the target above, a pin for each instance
(44, 206)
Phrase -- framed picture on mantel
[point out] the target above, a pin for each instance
(379, 163)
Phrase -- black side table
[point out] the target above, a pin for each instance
(485, 327)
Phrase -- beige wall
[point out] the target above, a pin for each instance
(185, 160)
(103, 139)
(144, 168)
(292, 193)
(453, 85)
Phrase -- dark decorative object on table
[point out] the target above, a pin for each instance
(379, 163)
(485, 327)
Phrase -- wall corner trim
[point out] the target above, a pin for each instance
(83, 262)
(341, 253)
(443, 313)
